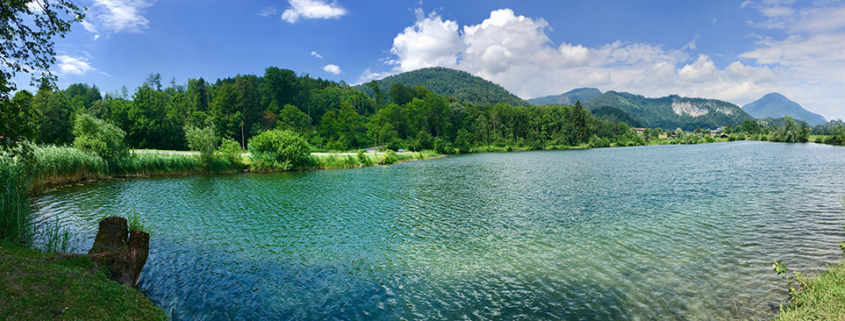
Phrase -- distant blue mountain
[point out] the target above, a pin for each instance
(775, 105)
(569, 98)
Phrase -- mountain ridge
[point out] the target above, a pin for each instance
(450, 82)
(775, 105)
(672, 111)
(583, 95)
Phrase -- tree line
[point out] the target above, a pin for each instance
(329, 115)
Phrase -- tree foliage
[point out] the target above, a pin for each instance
(27, 28)
(98, 136)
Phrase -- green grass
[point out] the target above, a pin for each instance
(37, 286)
(352, 161)
(818, 298)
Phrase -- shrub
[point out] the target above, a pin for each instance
(96, 136)
(202, 140)
(389, 158)
(230, 150)
(362, 158)
(282, 147)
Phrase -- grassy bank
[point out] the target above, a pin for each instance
(339, 161)
(62, 165)
(816, 298)
(37, 286)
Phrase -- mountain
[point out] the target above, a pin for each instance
(613, 115)
(569, 98)
(775, 105)
(449, 82)
(673, 111)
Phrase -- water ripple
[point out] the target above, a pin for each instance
(661, 232)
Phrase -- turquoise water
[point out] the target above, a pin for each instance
(659, 232)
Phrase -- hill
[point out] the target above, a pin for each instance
(613, 115)
(449, 82)
(569, 98)
(672, 111)
(775, 105)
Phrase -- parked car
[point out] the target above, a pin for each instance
(400, 150)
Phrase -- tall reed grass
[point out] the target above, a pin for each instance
(16, 173)
(63, 165)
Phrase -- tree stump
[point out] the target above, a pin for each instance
(122, 252)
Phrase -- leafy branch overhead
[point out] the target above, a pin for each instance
(27, 28)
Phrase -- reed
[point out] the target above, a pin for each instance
(59, 165)
(147, 164)
(16, 225)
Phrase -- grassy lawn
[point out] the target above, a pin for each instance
(818, 298)
(36, 286)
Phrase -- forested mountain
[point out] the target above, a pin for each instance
(449, 82)
(672, 111)
(775, 105)
(611, 114)
(569, 98)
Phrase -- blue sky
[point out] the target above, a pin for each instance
(731, 50)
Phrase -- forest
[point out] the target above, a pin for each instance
(329, 115)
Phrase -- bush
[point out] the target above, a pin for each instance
(389, 158)
(819, 140)
(96, 136)
(230, 150)
(282, 147)
(202, 140)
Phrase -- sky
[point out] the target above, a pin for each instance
(736, 51)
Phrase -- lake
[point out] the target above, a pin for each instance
(656, 232)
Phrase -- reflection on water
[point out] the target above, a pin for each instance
(662, 232)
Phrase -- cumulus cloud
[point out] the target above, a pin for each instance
(515, 52)
(315, 54)
(429, 42)
(312, 9)
(701, 70)
(334, 69)
(73, 65)
(268, 11)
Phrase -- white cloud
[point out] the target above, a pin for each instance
(89, 26)
(701, 70)
(73, 65)
(268, 11)
(105, 74)
(514, 51)
(369, 75)
(429, 42)
(315, 54)
(117, 16)
(34, 6)
(334, 69)
(312, 9)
